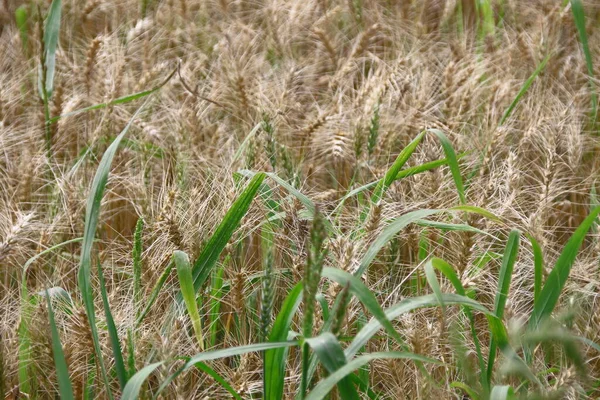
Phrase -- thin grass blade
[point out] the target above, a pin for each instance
(452, 163)
(365, 296)
(51, 34)
(184, 273)
(579, 17)
(331, 355)
(505, 276)
(213, 249)
(557, 278)
(406, 306)
(275, 358)
(91, 222)
(132, 389)
(323, 388)
(62, 373)
(391, 174)
(112, 333)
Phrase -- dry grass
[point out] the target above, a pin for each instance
(316, 70)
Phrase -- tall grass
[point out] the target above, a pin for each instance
(286, 217)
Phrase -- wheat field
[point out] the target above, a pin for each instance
(286, 199)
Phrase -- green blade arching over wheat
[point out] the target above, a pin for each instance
(215, 245)
(91, 222)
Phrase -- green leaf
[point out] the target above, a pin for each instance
(452, 162)
(366, 297)
(579, 17)
(120, 100)
(219, 379)
(62, 373)
(21, 20)
(505, 277)
(184, 273)
(91, 222)
(325, 385)
(434, 283)
(330, 353)
(274, 359)
(132, 389)
(26, 312)
(477, 210)
(154, 294)
(216, 354)
(212, 250)
(306, 202)
(389, 232)
(51, 33)
(508, 261)
(391, 174)
(428, 166)
(406, 306)
(502, 393)
(560, 273)
(137, 264)
(216, 294)
(235, 351)
(538, 268)
(447, 270)
(524, 88)
(467, 389)
(112, 333)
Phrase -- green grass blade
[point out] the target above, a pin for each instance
(120, 100)
(216, 294)
(404, 220)
(452, 162)
(235, 351)
(130, 354)
(406, 306)
(538, 268)
(112, 333)
(306, 202)
(91, 222)
(434, 283)
(560, 273)
(26, 312)
(132, 389)
(579, 17)
(275, 358)
(365, 296)
(505, 277)
(184, 273)
(21, 20)
(447, 270)
(212, 250)
(391, 174)
(502, 393)
(446, 226)
(524, 88)
(323, 388)
(62, 373)
(477, 210)
(388, 233)
(216, 354)
(219, 379)
(51, 33)
(428, 166)
(137, 264)
(331, 355)
(154, 294)
(467, 389)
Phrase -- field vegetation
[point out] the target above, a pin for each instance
(299, 199)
